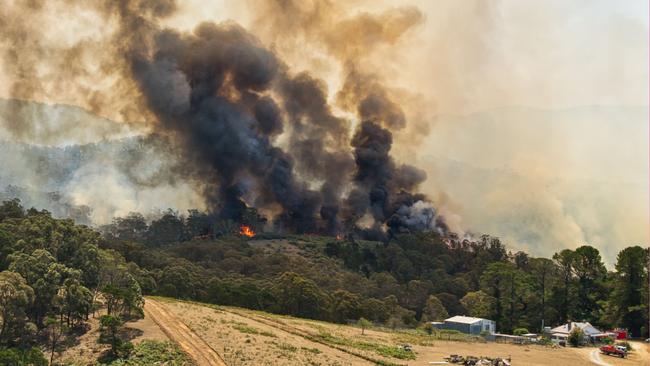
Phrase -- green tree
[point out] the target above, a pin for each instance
(434, 310)
(299, 296)
(110, 326)
(498, 281)
(197, 224)
(120, 290)
(15, 297)
(168, 229)
(345, 306)
(478, 304)
(75, 302)
(565, 261)
(131, 227)
(544, 273)
(363, 323)
(590, 272)
(21, 357)
(55, 331)
(44, 274)
(576, 337)
(11, 209)
(375, 310)
(631, 289)
(510, 287)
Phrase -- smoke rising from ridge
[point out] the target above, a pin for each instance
(252, 131)
(336, 62)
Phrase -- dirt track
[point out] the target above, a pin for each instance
(177, 331)
(594, 355)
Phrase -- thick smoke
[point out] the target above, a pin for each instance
(214, 89)
(256, 136)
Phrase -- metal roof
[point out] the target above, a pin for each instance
(586, 327)
(464, 319)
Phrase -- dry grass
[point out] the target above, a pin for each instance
(245, 337)
(248, 337)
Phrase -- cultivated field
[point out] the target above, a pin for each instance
(244, 337)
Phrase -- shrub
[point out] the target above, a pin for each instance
(520, 331)
(607, 340)
(124, 349)
(576, 337)
(20, 357)
(428, 328)
(155, 353)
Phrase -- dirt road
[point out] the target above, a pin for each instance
(594, 356)
(180, 333)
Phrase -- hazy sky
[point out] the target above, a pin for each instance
(489, 54)
(530, 117)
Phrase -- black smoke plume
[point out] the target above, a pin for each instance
(259, 135)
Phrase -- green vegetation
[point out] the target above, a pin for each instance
(110, 326)
(378, 348)
(51, 273)
(411, 279)
(434, 310)
(520, 331)
(20, 357)
(576, 337)
(53, 269)
(149, 353)
(363, 323)
(311, 350)
(286, 347)
(252, 330)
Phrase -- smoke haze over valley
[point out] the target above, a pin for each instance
(349, 115)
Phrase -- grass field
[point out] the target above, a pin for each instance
(245, 337)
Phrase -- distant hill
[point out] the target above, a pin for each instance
(55, 124)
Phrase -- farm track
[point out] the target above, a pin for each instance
(594, 356)
(195, 346)
(308, 336)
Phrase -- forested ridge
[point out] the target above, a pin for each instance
(56, 274)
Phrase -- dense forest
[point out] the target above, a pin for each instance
(55, 272)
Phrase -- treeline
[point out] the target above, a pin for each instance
(172, 228)
(52, 275)
(412, 278)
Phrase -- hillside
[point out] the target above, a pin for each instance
(64, 285)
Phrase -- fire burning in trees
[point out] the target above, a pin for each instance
(245, 230)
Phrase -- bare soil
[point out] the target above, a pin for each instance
(186, 338)
(86, 349)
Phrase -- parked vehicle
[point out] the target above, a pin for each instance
(614, 350)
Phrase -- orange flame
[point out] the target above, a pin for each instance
(245, 230)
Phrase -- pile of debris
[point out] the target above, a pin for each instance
(472, 360)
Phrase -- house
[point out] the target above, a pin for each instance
(592, 334)
(467, 324)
